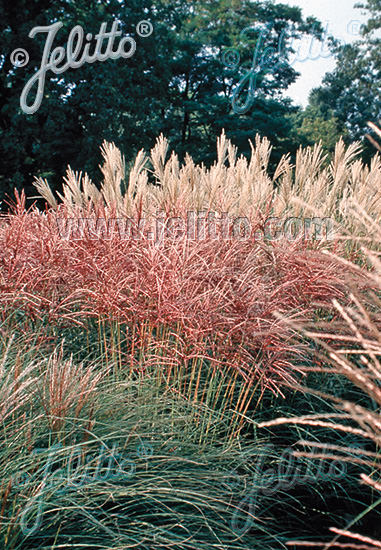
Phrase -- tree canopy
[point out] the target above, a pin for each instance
(177, 82)
(352, 92)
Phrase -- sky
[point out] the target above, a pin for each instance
(342, 20)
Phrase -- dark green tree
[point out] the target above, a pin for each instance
(179, 82)
(312, 126)
(114, 100)
(352, 92)
(220, 46)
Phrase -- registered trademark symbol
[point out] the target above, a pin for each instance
(144, 28)
(354, 27)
